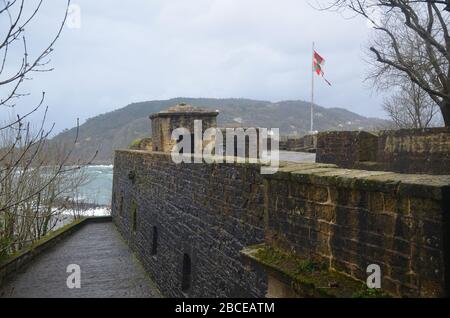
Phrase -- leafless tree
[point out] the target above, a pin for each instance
(412, 43)
(35, 183)
(35, 174)
(412, 107)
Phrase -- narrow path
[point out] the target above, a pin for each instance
(108, 268)
(296, 156)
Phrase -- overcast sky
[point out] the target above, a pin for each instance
(137, 50)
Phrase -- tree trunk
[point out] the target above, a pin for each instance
(445, 109)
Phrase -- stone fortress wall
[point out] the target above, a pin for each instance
(307, 143)
(310, 230)
(207, 212)
(406, 150)
(348, 219)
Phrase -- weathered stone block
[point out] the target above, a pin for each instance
(346, 218)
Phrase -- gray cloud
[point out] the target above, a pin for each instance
(141, 50)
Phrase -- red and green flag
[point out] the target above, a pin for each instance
(318, 62)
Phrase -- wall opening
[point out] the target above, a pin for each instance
(121, 206)
(186, 278)
(179, 141)
(155, 241)
(192, 143)
(184, 151)
(133, 216)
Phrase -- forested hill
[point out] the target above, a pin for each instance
(117, 129)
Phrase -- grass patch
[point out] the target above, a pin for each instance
(42, 240)
(136, 142)
(273, 256)
(366, 292)
(309, 278)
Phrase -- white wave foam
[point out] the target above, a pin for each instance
(91, 212)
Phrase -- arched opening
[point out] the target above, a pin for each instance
(134, 216)
(121, 206)
(179, 141)
(155, 241)
(185, 151)
(247, 147)
(186, 279)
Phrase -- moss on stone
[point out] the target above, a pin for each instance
(271, 255)
(41, 241)
(309, 278)
(366, 292)
(135, 143)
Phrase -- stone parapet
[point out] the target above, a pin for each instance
(346, 219)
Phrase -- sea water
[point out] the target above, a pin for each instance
(98, 188)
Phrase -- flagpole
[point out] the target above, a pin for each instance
(312, 90)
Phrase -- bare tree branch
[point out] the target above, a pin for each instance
(411, 41)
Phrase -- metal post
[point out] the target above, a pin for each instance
(312, 91)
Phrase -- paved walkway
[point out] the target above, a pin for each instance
(108, 268)
(297, 156)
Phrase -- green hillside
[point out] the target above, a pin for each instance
(118, 128)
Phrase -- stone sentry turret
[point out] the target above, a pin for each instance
(181, 115)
